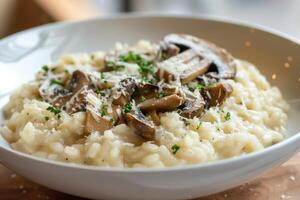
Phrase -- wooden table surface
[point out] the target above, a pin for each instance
(282, 183)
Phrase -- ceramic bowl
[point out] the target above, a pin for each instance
(24, 53)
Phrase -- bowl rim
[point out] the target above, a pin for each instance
(217, 163)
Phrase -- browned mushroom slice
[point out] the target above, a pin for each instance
(140, 125)
(216, 94)
(193, 108)
(146, 91)
(195, 70)
(94, 122)
(187, 66)
(77, 102)
(75, 90)
(154, 117)
(166, 51)
(223, 62)
(123, 94)
(167, 103)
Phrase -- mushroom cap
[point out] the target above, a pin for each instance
(223, 66)
(186, 65)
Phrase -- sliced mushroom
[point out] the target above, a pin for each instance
(166, 51)
(216, 94)
(146, 91)
(187, 66)
(77, 102)
(195, 70)
(193, 108)
(167, 103)
(223, 63)
(123, 94)
(73, 94)
(94, 122)
(140, 125)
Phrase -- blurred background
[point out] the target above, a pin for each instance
(17, 15)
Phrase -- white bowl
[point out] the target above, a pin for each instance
(23, 53)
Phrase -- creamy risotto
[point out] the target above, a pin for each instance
(178, 102)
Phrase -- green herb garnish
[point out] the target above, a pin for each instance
(143, 98)
(179, 111)
(200, 87)
(55, 111)
(45, 68)
(47, 118)
(128, 107)
(102, 75)
(145, 66)
(175, 148)
(114, 66)
(57, 82)
(103, 110)
(227, 116)
(161, 95)
(98, 91)
(199, 125)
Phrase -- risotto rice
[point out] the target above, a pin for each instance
(251, 118)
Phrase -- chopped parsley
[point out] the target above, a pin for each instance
(114, 66)
(145, 66)
(200, 87)
(143, 98)
(227, 116)
(147, 80)
(161, 95)
(175, 148)
(102, 75)
(128, 107)
(103, 110)
(66, 71)
(199, 125)
(218, 129)
(53, 69)
(98, 91)
(55, 111)
(179, 111)
(57, 82)
(45, 68)
(112, 121)
(47, 118)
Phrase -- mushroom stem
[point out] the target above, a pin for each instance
(154, 117)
